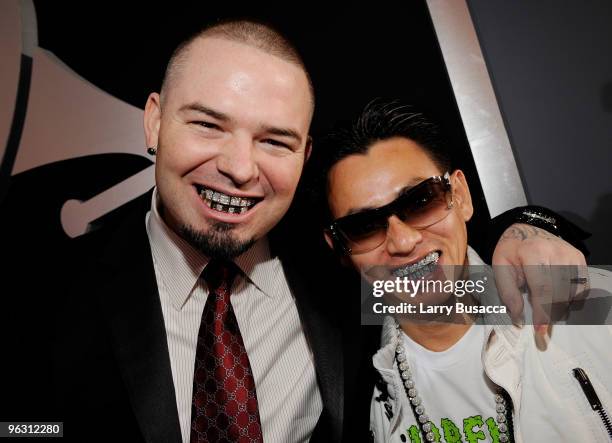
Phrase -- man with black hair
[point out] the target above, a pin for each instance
(398, 212)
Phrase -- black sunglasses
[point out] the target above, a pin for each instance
(420, 207)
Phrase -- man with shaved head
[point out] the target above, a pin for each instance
(196, 327)
(208, 334)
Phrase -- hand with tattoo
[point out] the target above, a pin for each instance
(526, 257)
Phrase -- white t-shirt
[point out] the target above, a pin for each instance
(455, 391)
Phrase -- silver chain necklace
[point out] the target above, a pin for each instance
(417, 403)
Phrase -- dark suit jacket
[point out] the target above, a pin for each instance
(113, 380)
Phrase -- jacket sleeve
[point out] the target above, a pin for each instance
(537, 216)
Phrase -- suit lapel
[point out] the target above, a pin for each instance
(130, 298)
(325, 342)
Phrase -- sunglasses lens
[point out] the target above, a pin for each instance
(422, 206)
(425, 206)
(364, 232)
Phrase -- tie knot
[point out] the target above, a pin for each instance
(219, 273)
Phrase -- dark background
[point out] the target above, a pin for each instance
(551, 67)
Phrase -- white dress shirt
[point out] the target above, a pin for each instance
(282, 363)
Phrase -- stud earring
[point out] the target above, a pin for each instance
(152, 150)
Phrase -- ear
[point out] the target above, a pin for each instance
(461, 195)
(308, 149)
(152, 118)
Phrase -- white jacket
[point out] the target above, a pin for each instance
(549, 404)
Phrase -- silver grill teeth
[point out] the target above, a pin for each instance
(418, 269)
(218, 200)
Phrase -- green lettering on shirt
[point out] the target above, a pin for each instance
(493, 429)
(436, 432)
(469, 424)
(415, 434)
(452, 434)
(449, 432)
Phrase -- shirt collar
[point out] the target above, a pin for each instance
(178, 263)
(260, 267)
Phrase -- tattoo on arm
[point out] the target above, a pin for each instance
(525, 232)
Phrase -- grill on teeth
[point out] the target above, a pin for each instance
(420, 268)
(225, 203)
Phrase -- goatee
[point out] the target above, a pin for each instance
(217, 242)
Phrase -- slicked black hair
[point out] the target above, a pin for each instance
(380, 120)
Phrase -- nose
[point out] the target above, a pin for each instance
(401, 238)
(236, 160)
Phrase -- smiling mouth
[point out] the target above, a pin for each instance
(424, 266)
(221, 202)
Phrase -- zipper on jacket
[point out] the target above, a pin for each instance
(591, 395)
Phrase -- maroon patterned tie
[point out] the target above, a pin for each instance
(224, 405)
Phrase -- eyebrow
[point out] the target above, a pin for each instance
(282, 132)
(411, 184)
(198, 107)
